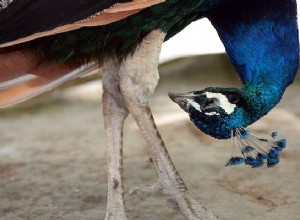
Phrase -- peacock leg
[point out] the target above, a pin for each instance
(138, 78)
(115, 113)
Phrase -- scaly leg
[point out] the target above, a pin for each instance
(115, 112)
(138, 78)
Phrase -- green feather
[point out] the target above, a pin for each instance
(122, 37)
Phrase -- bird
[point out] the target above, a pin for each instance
(46, 43)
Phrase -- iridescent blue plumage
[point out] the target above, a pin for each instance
(235, 161)
(248, 149)
(245, 134)
(253, 162)
(272, 161)
(256, 35)
(262, 156)
(261, 40)
(262, 43)
(274, 134)
(255, 152)
(281, 144)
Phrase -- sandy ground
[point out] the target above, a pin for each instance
(53, 155)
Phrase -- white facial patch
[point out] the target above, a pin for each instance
(195, 105)
(224, 103)
(212, 113)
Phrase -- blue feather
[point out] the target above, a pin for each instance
(274, 134)
(250, 160)
(248, 149)
(272, 161)
(245, 134)
(273, 152)
(235, 161)
(258, 164)
(262, 156)
(256, 151)
(281, 144)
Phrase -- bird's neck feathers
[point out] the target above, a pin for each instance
(261, 40)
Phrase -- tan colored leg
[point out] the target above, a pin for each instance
(115, 112)
(138, 78)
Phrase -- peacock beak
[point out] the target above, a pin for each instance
(182, 99)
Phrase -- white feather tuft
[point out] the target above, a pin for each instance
(4, 4)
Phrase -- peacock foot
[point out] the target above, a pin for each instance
(178, 199)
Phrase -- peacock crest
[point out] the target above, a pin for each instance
(252, 150)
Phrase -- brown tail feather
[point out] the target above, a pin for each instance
(22, 76)
(15, 64)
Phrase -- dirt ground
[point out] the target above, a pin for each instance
(53, 155)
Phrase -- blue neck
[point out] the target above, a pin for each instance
(261, 40)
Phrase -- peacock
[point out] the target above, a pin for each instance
(46, 43)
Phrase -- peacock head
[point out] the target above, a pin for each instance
(219, 111)
(225, 112)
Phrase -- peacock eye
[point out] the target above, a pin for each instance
(212, 101)
(234, 98)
